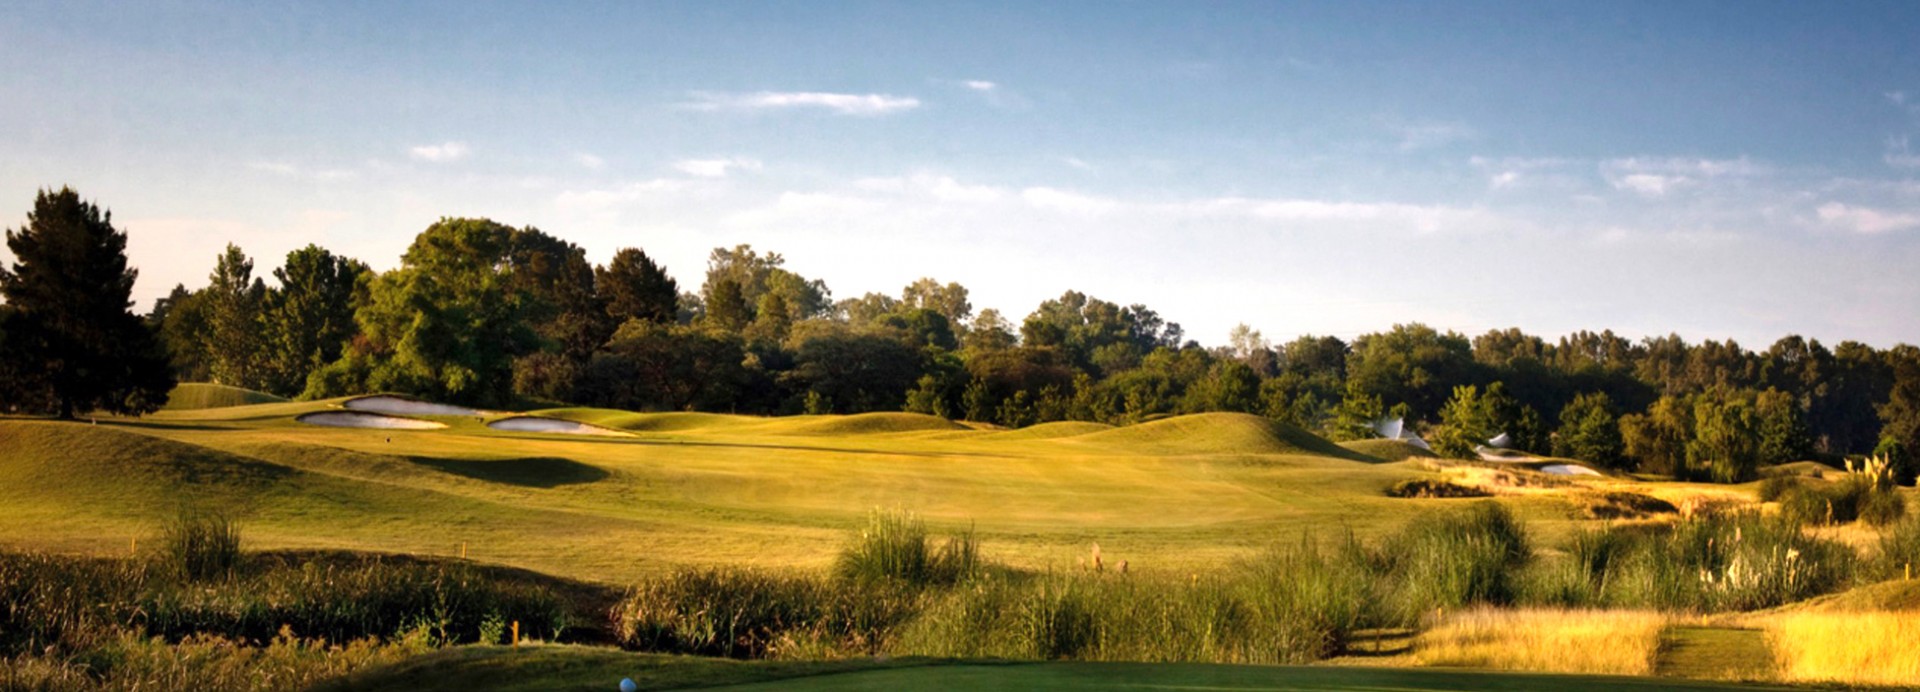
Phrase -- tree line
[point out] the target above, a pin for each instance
(486, 314)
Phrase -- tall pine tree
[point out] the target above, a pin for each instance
(72, 343)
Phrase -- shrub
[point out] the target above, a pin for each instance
(894, 547)
(1729, 562)
(201, 546)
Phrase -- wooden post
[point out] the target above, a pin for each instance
(516, 632)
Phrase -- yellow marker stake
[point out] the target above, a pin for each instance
(516, 632)
(463, 550)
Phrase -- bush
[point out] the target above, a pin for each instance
(1729, 562)
(201, 546)
(1851, 498)
(894, 548)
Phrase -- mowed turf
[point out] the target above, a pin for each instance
(198, 395)
(581, 668)
(1175, 496)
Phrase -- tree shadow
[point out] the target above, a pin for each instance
(530, 472)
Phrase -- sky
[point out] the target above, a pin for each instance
(1738, 170)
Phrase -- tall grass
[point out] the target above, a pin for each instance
(203, 662)
(1610, 642)
(1711, 563)
(894, 547)
(753, 614)
(1847, 648)
(201, 546)
(1899, 554)
(1447, 560)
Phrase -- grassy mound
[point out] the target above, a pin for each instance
(1897, 594)
(190, 396)
(866, 423)
(1055, 430)
(1219, 433)
(117, 469)
(673, 421)
(1389, 450)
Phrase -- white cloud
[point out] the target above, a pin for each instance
(611, 199)
(1650, 184)
(715, 168)
(937, 188)
(844, 104)
(439, 153)
(1050, 199)
(1866, 220)
(1077, 162)
(980, 85)
(1503, 180)
(590, 161)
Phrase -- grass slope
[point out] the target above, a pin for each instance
(1172, 497)
(580, 668)
(1218, 433)
(1389, 450)
(189, 396)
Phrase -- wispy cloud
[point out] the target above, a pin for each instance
(1656, 177)
(1866, 220)
(590, 161)
(980, 85)
(715, 168)
(844, 104)
(1900, 154)
(1650, 184)
(1077, 162)
(439, 153)
(1429, 135)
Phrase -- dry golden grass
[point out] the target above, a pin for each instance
(1873, 648)
(1615, 642)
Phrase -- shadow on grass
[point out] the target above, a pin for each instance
(530, 472)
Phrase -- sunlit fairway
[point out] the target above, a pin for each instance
(1183, 494)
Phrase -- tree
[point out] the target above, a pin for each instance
(1726, 439)
(1900, 415)
(756, 275)
(727, 306)
(1657, 440)
(636, 288)
(1411, 364)
(949, 300)
(236, 345)
(1783, 428)
(1590, 432)
(557, 285)
(1466, 422)
(310, 317)
(72, 344)
(446, 325)
(180, 318)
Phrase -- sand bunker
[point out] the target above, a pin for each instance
(407, 407)
(1568, 470)
(536, 424)
(356, 419)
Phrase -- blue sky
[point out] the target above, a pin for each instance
(1741, 170)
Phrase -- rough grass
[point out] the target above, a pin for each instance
(1612, 642)
(867, 423)
(188, 396)
(1873, 648)
(1053, 430)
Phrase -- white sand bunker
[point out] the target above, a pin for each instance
(356, 419)
(407, 407)
(1568, 470)
(536, 424)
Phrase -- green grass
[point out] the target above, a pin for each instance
(580, 668)
(199, 395)
(1176, 496)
